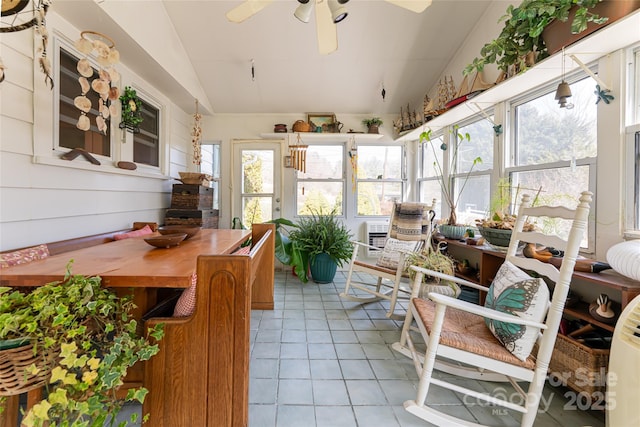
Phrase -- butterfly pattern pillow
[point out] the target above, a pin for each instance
(515, 292)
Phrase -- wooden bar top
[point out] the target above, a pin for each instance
(129, 262)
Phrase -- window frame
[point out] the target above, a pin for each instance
(402, 179)
(511, 148)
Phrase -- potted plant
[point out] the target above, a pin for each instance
(131, 110)
(324, 241)
(84, 338)
(372, 124)
(285, 251)
(450, 228)
(522, 35)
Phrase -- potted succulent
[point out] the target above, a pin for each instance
(131, 110)
(450, 227)
(372, 124)
(84, 339)
(324, 241)
(522, 34)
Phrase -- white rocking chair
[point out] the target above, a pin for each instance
(460, 341)
(390, 266)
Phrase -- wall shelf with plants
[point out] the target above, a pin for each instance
(615, 36)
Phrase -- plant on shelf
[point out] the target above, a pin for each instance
(85, 339)
(131, 110)
(372, 124)
(522, 32)
(450, 193)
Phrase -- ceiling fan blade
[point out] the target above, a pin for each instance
(327, 31)
(246, 10)
(412, 5)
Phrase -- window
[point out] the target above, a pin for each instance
(554, 149)
(69, 135)
(211, 165)
(321, 187)
(146, 142)
(379, 178)
(473, 199)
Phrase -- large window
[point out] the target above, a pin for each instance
(321, 187)
(70, 136)
(554, 149)
(379, 178)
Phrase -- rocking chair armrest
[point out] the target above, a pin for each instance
(365, 245)
(482, 311)
(443, 276)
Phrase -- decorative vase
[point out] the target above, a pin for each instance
(323, 268)
(455, 232)
(496, 236)
(625, 258)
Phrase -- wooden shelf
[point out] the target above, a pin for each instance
(617, 35)
(581, 311)
(319, 136)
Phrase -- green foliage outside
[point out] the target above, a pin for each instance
(252, 212)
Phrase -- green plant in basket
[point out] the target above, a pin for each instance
(89, 340)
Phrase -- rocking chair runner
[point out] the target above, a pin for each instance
(409, 230)
(457, 332)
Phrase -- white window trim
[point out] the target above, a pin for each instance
(402, 180)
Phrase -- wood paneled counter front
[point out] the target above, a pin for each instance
(200, 377)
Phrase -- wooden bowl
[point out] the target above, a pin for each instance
(167, 241)
(189, 230)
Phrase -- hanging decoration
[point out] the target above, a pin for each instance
(131, 110)
(41, 29)
(2, 67)
(353, 158)
(298, 155)
(103, 48)
(196, 135)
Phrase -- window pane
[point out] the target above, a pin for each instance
(323, 161)
(146, 143)
(560, 187)
(379, 162)
(256, 210)
(546, 133)
(257, 171)
(430, 190)
(474, 200)
(376, 198)
(70, 136)
(480, 145)
(431, 152)
(314, 196)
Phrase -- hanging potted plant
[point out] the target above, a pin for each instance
(80, 339)
(451, 195)
(131, 110)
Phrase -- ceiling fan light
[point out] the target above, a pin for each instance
(338, 12)
(303, 11)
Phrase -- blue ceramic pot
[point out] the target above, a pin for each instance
(323, 269)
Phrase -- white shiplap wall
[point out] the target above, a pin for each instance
(44, 198)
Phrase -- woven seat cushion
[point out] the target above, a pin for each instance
(468, 332)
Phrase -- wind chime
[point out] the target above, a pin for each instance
(196, 135)
(298, 155)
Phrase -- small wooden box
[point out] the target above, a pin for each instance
(191, 196)
(207, 218)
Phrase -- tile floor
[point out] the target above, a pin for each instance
(318, 360)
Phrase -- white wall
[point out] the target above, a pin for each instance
(44, 198)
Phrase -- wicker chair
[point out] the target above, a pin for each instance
(489, 342)
(404, 236)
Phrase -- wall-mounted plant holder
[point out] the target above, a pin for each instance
(129, 127)
(131, 111)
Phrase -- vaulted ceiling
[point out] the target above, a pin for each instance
(379, 45)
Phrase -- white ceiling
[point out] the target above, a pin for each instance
(378, 43)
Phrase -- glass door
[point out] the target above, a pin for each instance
(257, 181)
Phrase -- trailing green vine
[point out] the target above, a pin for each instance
(131, 108)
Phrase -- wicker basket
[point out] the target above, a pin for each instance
(14, 376)
(195, 178)
(582, 368)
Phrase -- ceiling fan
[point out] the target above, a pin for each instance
(328, 14)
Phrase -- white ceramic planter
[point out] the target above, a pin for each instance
(625, 258)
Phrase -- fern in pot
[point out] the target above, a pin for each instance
(325, 241)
